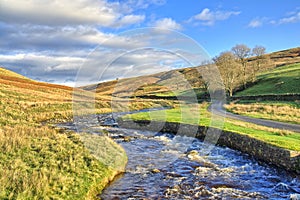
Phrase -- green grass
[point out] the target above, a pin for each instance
(186, 114)
(281, 80)
(281, 138)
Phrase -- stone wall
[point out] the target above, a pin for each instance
(289, 160)
(268, 97)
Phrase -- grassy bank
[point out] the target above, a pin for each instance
(40, 161)
(281, 138)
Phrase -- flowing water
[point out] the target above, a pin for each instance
(164, 166)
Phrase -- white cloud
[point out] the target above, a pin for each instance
(257, 22)
(128, 54)
(208, 17)
(128, 20)
(53, 39)
(294, 18)
(58, 12)
(49, 40)
(291, 17)
(47, 68)
(68, 13)
(167, 23)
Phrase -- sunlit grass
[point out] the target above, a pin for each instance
(282, 80)
(281, 138)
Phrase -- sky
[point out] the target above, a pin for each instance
(85, 41)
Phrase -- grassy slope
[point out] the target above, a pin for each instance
(281, 80)
(41, 162)
(160, 84)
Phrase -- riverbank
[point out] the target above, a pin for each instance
(283, 158)
(39, 160)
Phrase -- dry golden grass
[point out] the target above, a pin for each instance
(274, 111)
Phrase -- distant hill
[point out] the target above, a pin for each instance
(170, 82)
(8, 77)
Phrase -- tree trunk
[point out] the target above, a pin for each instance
(230, 92)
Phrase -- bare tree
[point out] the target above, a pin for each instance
(258, 52)
(242, 52)
(230, 71)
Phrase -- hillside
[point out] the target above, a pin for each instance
(171, 83)
(39, 161)
(285, 57)
(281, 80)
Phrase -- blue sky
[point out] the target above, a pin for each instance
(50, 40)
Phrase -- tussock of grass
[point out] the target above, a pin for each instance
(38, 163)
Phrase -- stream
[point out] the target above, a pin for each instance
(165, 166)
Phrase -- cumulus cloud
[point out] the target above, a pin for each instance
(68, 13)
(43, 67)
(58, 12)
(209, 18)
(129, 54)
(167, 23)
(50, 40)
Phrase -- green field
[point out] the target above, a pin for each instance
(281, 138)
(281, 80)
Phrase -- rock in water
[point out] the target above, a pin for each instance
(155, 171)
(295, 197)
